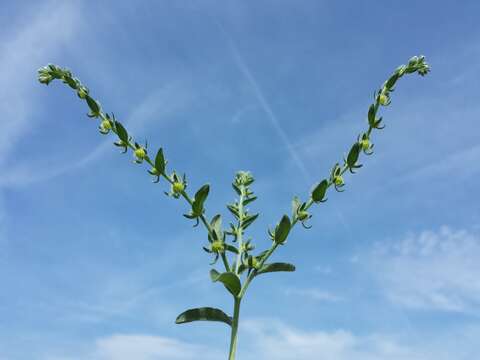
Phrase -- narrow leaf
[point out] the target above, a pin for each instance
(93, 105)
(231, 248)
(318, 194)
(200, 197)
(249, 200)
(121, 132)
(233, 209)
(249, 220)
(371, 115)
(160, 161)
(274, 267)
(352, 157)
(203, 314)
(216, 222)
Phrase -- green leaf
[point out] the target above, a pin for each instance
(203, 314)
(237, 189)
(160, 161)
(249, 220)
(249, 200)
(371, 115)
(121, 132)
(229, 279)
(295, 205)
(274, 267)
(93, 105)
(71, 82)
(199, 200)
(282, 230)
(234, 210)
(216, 222)
(318, 194)
(216, 225)
(231, 248)
(352, 157)
(391, 81)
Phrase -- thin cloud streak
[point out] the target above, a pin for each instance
(159, 103)
(266, 106)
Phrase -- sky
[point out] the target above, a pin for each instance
(96, 262)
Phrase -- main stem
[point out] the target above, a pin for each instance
(235, 320)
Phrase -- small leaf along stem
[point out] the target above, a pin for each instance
(243, 260)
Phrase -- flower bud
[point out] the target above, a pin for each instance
(45, 78)
(302, 215)
(154, 171)
(106, 126)
(253, 262)
(338, 180)
(178, 187)
(217, 246)
(365, 144)
(82, 92)
(383, 99)
(140, 153)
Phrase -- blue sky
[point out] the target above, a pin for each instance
(96, 263)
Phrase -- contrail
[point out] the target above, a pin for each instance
(274, 121)
(266, 107)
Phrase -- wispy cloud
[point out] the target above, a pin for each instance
(264, 104)
(154, 108)
(23, 51)
(314, 294)
(271, 339)
(432, 270)
(148, 347)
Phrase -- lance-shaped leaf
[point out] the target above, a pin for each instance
(282, 230)
(94, 107)
(249, 200)
(371, 115)
(229, 279)
(160, 161)
(199, 200)
(274, 267)
(231, 248)
(249, 220)
(392, 80)
(203, 314)
(216, 225)
(318, 194)
(71, 82)
(121, 132)
(216, 222)
(352, 157)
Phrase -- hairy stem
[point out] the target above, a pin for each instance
(235, 321)
(240, 229)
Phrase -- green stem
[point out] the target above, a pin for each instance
(233, 337)
(240, 229)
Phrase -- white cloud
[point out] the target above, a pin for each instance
(431, 270)
(270, 339)
(315, 294)
(147, 347)
(275, 340)
(24, 50)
